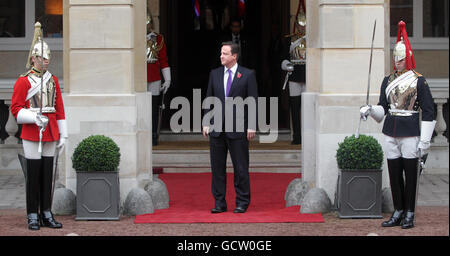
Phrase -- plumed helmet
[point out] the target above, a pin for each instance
(38, 47)
(402, 49)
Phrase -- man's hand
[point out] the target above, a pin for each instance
(364, 111)
(61, 143)
(165, 86)
(423, 147)
(205, 131)
(250, 134)
(41, 121)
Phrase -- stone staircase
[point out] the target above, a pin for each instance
(191, 154)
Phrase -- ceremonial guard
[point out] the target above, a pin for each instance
(296, 71)
(157, 63)
(37, 105)
(403, 94)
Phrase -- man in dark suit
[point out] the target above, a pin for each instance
(227, 83)
(236, 35)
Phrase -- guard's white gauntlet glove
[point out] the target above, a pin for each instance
(26, 116)
(62, 127)
(426, 132)
(166, 74)
(376, 112)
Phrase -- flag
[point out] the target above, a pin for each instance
(241, 8)
(196, 8)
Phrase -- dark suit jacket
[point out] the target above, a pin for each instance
(243, 85)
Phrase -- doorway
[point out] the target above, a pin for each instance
(193, 46)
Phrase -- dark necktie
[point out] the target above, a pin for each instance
(228, 82)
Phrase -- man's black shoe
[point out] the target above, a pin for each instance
(240, 209)
(408, 221)
(33, 221)
(47, 220)
(395, 220)
(296, 141)
(218, 209)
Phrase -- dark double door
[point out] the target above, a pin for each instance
(193, 46)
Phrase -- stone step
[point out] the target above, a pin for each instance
(281, 161)
(167, 135)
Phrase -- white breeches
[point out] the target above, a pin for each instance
(296, 89)
(30, 149)
(154, 87)
(405, 147)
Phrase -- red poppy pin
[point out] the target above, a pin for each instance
(239, 75)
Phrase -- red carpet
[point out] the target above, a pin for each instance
(191, 201)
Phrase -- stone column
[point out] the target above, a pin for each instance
(105, 84)
(339, 35)
(438, 158)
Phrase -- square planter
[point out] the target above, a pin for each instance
(98, 196)
(359, 194)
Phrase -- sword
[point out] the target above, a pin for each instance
(41, 129)
(54, 176)
(368, 81)
(160, 111)
(420, 166)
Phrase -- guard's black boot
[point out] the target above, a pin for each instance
(155, 116)
(33, 221)
(395, 168)
(47, 220)
(294, 104)
(46, 182)
(410, 166)
(395, 219)
(32, 192)
(408, 221)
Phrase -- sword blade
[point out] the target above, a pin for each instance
(368, 81)
(370, 62)
(42, 75)
(55, 171)
(160, 111)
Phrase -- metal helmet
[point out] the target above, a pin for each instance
(301, 18)
(38, 47)
(399, 51)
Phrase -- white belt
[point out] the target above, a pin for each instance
(402, 112)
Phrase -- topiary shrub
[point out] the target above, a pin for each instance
(96, 153)
(359, 153)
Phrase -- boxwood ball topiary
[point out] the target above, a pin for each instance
(96, 153)
(359, 153)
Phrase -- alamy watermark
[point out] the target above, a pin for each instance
(233, 114)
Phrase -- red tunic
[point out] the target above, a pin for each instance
(31, 131)
(153, 69)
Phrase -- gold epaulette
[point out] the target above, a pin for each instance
(417, 73)
(26, 73)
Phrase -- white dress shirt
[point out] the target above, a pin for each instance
(225, 77)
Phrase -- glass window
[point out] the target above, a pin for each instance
(401, 10)
(49, 14)
(435, 18)
(12, 18)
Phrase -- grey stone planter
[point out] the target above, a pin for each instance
(359, 194)
(98, 196)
